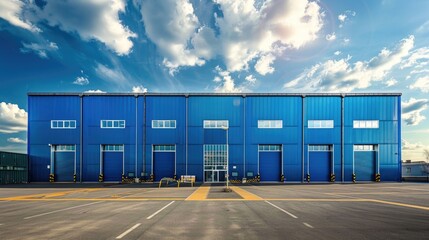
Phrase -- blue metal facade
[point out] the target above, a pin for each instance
(138, 137)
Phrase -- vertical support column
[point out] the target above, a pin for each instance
(244, 136)
(186, 133)
(303, 140)
(342, 137)
(81, 139)
(144, 135)
(136, 132)
(399, 153)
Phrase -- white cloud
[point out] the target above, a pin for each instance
(336, 53)
(418, 58)
(423, 28)
(81, 81)
(341, 75)
(342, 17)
(13, 12)
(251, 79)
(331, 37)
(263, 65)
(412, 110)
(139, 89)
(391, 82)
(421, 84)
(91, 19)
(12, 118)
(245, 31)
(345, 16)
(112, 75)
(17, 140)
(346, 41)
(413, 151)
(172, 26)
(225, 82)
(40, 49)
(95, 91)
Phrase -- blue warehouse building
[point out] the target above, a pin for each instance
(89, 137)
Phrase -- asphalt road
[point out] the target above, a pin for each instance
(143, 211)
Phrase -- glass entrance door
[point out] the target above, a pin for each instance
(215, 159)
(214, 175)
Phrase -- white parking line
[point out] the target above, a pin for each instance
(281, 209)
(60, 210)
(153, 215)
(308, 225)
(128, 231)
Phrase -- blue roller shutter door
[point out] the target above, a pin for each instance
(64, 166)
(320, 163)
(270, 165)
(163, 164)
(365, 165)
(112, 166)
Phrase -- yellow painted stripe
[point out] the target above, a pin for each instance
(401, 204)
(54, 194)
(199, 194)
(245, 194)
(91, 199)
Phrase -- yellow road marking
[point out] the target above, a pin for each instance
(401, 204)
(91, 199)
(245, 194)
(199, 194)
(50, 195)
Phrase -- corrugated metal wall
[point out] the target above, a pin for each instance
(189, 136)
(41, 110)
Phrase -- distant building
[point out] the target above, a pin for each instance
(314, 137)
(415, 171)
(13, 168)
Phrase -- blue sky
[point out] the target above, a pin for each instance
(215, 46)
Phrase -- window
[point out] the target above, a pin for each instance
(64, 148)
(215, 156)
(365, 147)
(408, 170)
(320, 123)
(270, 123)
(320, 148)
(63, 124)
(269, 148)
(163, 123)
(113, 148)
(112, 123)
(216, 123)
(164, 148)
(365, 124)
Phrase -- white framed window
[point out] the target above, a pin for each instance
(63, 124)
(320, 123)
(112, 124)
(164, 148)
(269, 148)
(365, 147)
(216, 123)
(365, 124)
(113, 148)
(163, 123)
(65, 148)
(319, 148)
(270, 123)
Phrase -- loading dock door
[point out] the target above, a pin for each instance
(112, 166)
(320, 166)
(270, 166)
(64, 166)
(163, 164)
(365, 165)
